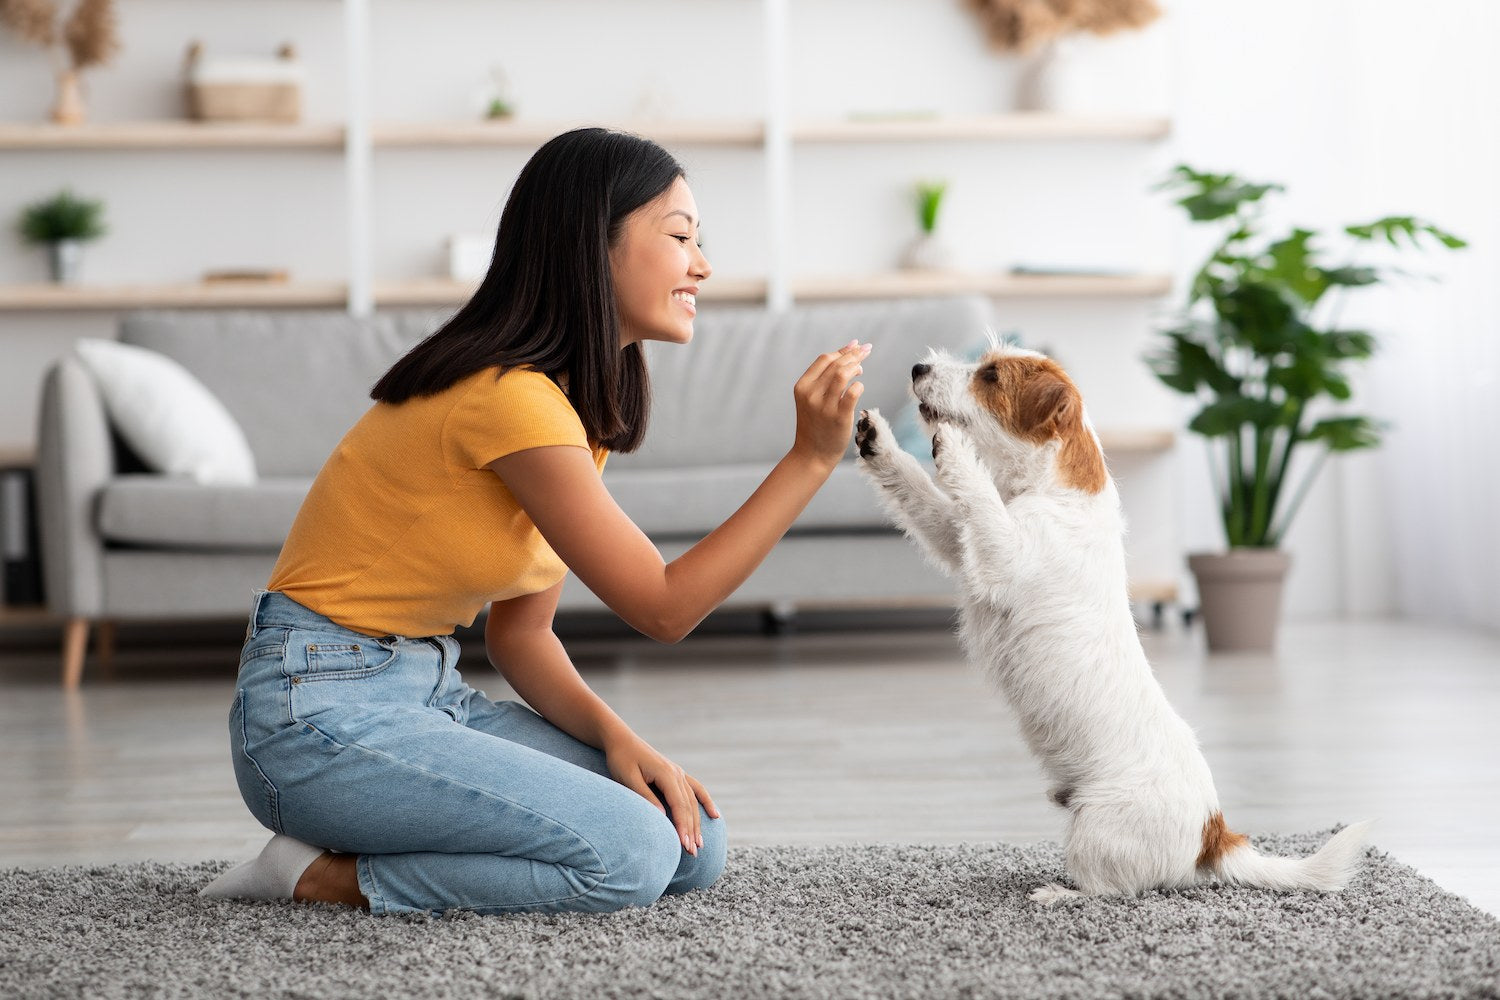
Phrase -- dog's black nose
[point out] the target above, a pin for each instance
(917, 371)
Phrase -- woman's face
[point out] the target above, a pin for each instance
(657, 266)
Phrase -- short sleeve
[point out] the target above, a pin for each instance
(495, 417)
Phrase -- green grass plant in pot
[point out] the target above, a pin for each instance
(928, 252)
(63, 223)
(1260, 349)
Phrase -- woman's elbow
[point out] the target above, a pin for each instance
(668, 629)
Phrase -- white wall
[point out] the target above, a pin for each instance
(1365, 109)
(1313, 93)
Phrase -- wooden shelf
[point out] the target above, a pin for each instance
(897, 284)
(526, 134)
(1153, 591)
(170, 135)
(48, 297)
(26, 616)
(444, 291)
(523, 133)
(1020, 125)
(1140, 441)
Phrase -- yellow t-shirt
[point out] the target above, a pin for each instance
(405, 532)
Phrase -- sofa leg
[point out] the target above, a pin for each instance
(75, 647)
(104, 648)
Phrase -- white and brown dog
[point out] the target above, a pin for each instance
(1024, 514)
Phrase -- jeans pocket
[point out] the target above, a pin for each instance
(326, 658)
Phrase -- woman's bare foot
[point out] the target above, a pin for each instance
(332, 878)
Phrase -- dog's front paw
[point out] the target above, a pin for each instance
(957, 462)
(873, 436)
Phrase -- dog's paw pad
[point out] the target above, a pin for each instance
(1052, 894)
(868, 434)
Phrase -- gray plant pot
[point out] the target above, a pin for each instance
(1239, 593)
(66, 259)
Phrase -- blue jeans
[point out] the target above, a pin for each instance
(377, 747)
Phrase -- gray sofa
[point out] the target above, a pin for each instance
(122, 543)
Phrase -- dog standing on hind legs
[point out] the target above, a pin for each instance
(1023, 514)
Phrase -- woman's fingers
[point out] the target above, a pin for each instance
(830, 375)
(684, 810)
(704, 797)
(636, 782)
(823, 363)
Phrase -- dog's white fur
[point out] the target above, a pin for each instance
(1024, 515)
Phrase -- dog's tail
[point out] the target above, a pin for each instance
(1229, 856)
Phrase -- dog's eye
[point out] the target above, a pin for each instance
(990, 373)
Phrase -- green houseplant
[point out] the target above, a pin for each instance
(927, 252)
(1260, 349)
(63, 223)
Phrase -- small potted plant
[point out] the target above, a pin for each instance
(928, 252)
(63, 223)
(1259, 349)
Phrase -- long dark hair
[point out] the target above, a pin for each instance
(548, 300)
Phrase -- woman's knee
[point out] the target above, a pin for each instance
(701, 870)
(639, 864)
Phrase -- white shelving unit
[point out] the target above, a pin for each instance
(350, 146)
(346, 140)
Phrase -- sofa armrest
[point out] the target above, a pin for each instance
(75, 458)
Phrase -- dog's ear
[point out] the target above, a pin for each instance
(1047, 404)
(1051, 407)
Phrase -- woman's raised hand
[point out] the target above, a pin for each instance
(827, 396)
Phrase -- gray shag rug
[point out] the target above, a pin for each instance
(783, 923)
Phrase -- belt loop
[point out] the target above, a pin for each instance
(255, 600)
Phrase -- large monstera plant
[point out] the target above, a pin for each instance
(1259, 346)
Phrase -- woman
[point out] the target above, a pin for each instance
(475, 479)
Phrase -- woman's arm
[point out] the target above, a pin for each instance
(521, 644)
(560, 489)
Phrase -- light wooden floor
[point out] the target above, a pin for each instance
(852, 735)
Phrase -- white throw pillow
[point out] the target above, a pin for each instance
(169, 417)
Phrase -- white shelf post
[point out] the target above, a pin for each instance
(778, 151)
(357, 158)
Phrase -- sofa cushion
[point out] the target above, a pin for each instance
(726, 397)
(689, 503)
(173, 512)
(170, 420)
(294, 380)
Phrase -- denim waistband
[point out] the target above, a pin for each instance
(272, 607)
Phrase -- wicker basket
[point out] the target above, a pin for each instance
(244, 90)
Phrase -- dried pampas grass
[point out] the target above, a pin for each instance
(1022, 25)
(34, 20)
(90, 34)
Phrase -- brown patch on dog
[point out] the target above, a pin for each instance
(1034, 399)
(1218, 840)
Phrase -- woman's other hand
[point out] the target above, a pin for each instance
(636, 765)
(826, 397)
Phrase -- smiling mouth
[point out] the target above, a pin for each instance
(686, 298)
